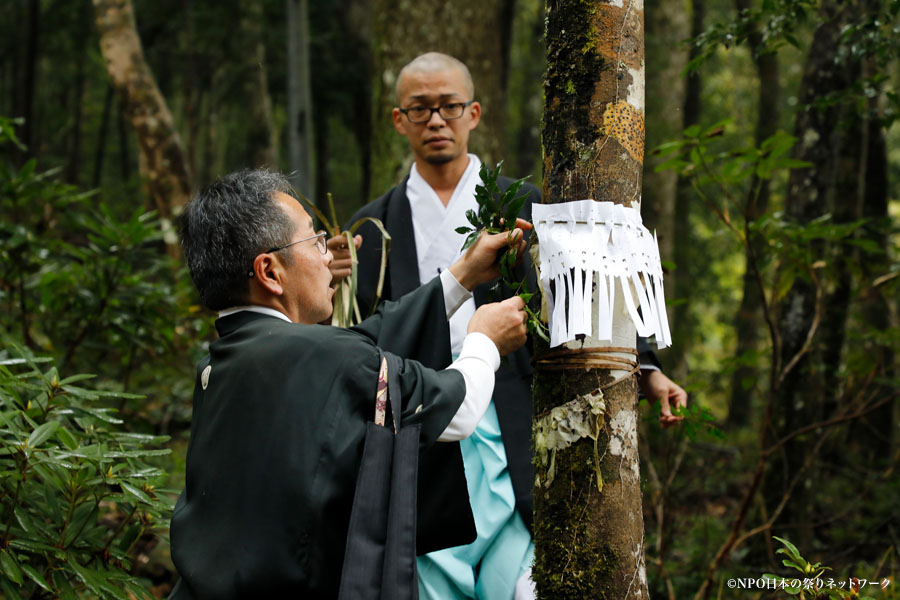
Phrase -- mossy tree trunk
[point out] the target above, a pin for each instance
(590, 543)
(477, 34)
(163, 161)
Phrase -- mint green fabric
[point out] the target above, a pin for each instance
(488, 568)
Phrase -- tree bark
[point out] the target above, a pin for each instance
(668, 25)
(590, 543)
(162, 157)
(261, 143)
(31, 74)
(829, 138)
(683, 321)
(73, 167)
(749, 318)
(478, 35)
(300, 121)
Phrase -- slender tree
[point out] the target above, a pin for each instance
(589, 542)
(668, 25)
(163, 162)
(300, 121)
(683, 322)
(813, 314)
(749, 318)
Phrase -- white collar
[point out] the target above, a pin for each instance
(263, 310)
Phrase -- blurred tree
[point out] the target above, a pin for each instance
(262, 139)
(668, 26)
(478, 35)
(748, 322)
(299, 100)
(813, 312)
(589, 530)
(162, 158)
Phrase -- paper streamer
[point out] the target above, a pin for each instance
(584, 244)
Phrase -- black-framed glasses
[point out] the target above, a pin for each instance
(448, 112)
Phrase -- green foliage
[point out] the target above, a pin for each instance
(77, 492)
(497, 212)
(810, 585)
(87, 285)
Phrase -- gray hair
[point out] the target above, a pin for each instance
(226, 226)
(433, 62)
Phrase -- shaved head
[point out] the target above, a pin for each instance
(435, 62)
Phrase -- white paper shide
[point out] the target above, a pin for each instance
(584, 244)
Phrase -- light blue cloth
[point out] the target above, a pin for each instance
(488, 568)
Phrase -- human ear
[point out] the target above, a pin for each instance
(475, 112)
(399, 121)
(267, 274)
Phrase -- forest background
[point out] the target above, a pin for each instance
(770, 177)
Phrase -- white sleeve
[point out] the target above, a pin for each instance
(455, 295)
(478, 361)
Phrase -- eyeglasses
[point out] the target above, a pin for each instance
(448, 112)
(320, 243)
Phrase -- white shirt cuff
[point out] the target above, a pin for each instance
(478, 361)
(455, 295)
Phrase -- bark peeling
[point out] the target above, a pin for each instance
(588, 542)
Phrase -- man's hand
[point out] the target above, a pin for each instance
(656, 386)
(503, 322)
(342, 265)
(479, 263)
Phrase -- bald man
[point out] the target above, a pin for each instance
(436, 111)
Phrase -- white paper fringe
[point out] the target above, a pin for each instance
(585, 244)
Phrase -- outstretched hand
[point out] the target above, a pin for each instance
(656, 386)
(479, 263)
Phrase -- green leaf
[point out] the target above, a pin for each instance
(139, 494)
(788, 549)
(36, 577)
(40, 435)
(65, 589)
(86, 575)
(10, 566)
(68, 440)
(471, 239)
(9, 592)
(76, 378)
(463, 230)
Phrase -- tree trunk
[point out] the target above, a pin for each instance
(478, 35)
(100, 153)
(261, 144)
(829, 139)
(162, 158)
(300, 121)
(748, 322)
(668, 24)
(590, 543)
(73, 167)
(683, 322)
(31, 73)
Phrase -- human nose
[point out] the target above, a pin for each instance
(436, 113)
(328, 257)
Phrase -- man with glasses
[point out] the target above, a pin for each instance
(281, 404)
(436, 112)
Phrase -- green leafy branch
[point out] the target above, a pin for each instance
(497, 212)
